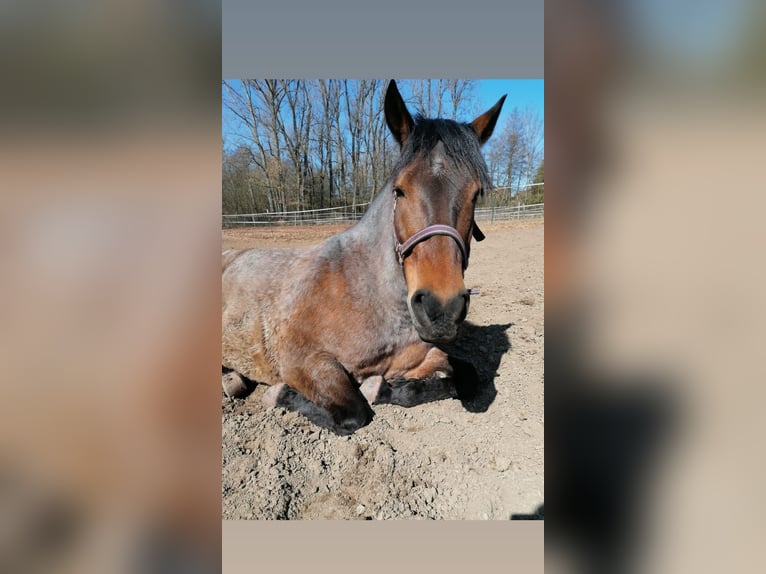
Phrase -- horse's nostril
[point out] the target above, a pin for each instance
(418, 298)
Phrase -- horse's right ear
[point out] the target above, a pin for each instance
(485, 123)
(398, 118)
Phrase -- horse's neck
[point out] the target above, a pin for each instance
(374, 235)
(377, 225)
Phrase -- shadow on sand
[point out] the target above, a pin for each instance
(483, 347)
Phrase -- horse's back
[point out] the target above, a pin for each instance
(228, 256)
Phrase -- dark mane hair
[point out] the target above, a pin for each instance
(460, 143)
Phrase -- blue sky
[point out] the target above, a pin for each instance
(521, 94)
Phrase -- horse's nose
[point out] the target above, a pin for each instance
(430, 310)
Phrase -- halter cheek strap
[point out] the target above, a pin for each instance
(404, 249)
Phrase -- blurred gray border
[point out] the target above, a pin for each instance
(392, 38)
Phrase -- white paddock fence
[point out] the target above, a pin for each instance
(505, 213)
(342, 214)
(349, 214)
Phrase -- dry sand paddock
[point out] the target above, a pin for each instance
(435, 460)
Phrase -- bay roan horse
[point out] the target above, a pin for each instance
(357, 320)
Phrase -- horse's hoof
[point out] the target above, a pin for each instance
(234, 386)
(360, 417)
(370, 388)
(271, 398)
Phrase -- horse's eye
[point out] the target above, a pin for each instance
(477, 194)
(399, 192)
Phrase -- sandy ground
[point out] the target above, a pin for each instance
(433, 461)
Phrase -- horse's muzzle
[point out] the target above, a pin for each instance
(437, 321)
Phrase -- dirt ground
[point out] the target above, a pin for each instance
(439, 460)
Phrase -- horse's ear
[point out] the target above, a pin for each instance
(398, 118)
(485, 123)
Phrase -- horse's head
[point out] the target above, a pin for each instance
(436, 182)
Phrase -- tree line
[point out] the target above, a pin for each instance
(310, 144)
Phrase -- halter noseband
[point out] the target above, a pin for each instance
(404, 249)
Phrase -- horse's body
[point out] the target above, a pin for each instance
(267, 295)
(318, 322)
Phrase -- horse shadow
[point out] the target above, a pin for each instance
(482, 346)
(538, 514)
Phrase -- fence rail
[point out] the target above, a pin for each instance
(342, 214)
(349, 214)
(504, 213)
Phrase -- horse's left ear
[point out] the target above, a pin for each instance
(485, 123)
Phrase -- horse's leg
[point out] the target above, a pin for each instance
(411, 392)
(324, 393)
(438, 377)
(280, 395)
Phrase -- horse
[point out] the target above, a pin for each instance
(358, 319)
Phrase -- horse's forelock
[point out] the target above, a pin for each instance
(460, 145)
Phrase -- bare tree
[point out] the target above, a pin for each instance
(431, 97)
(258, 106)
(514, 154)
(295, 134)
(459, 92)
(308, 144)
